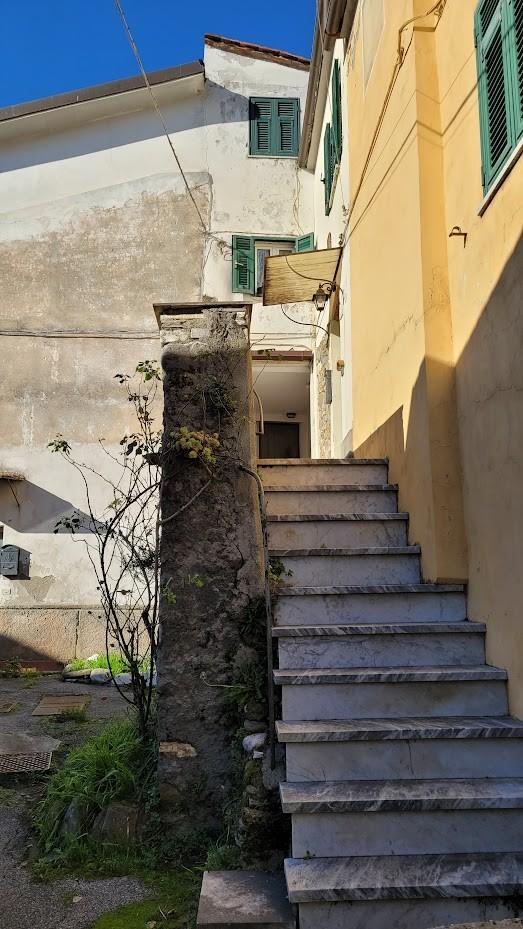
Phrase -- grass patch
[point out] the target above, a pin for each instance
(115, 663)
(114, 765)
(7, 796)
(172, 906)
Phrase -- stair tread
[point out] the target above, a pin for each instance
(368, 730)
(344, 552)
(332, 488)
(404, 876)
(371, 796)
(270, 462)
(328, 517)
(372, 589)
(389, 675)
(349, 629)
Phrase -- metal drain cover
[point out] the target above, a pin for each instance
(15, 764)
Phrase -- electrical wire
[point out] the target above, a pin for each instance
(136, 53)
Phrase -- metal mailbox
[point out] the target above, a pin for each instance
(14, 561)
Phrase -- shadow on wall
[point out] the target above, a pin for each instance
(489, 397)
(429, 482)
(12, 649)
(220, 106)
(489, 376)
(26, 507)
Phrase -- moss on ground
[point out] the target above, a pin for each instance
(173, 904)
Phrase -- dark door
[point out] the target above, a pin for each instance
(280, 440)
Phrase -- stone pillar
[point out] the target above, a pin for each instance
(211, 555)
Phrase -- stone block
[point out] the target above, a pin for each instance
(244, 900)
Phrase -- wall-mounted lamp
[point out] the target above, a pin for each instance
(324, 291)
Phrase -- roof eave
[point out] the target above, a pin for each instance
(338, 24)
(100, 91)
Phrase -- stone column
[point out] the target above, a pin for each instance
(211, 555)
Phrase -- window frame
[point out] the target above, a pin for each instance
(244, 251)
(503, 23)
(274, 121)
(333, 138)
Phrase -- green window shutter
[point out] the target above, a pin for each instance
(515, 45)
(327, 167)
(242, 264)
(305, 243)
(286, 123)
(261, 125)
(274, 126)
(495, 85)
(336, 109)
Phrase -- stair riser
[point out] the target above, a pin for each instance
(394, 700)
(305, 475)
(430, 832)
(369, 608)
(394, 759)
(406, 914)
(298, 502)
(341, 570)
(338, 534)
(381, 651)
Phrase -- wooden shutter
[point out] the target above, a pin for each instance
(495, 86)
(336, 110)
(286, 124)
(305, 243)
(243, 264)
(515, 44)
(327, 167)
(261, 125)
(274, 126)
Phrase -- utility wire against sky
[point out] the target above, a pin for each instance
(136, 53)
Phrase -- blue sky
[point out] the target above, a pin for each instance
(50, 46)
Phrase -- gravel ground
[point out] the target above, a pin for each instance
(26, 903)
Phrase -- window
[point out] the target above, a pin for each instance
(249, 254)
(498, 33)
(333, 138)
(274, 126)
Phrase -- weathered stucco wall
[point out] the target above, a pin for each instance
(96, 225)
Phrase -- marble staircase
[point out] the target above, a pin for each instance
(404, 771)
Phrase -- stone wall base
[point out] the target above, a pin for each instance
(57, 633)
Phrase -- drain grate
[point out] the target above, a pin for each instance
(55, 705)
(35, 761)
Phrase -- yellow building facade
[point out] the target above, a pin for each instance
(436, 301)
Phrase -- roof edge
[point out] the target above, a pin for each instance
(99, 91)
(337, 22)
(252, 50)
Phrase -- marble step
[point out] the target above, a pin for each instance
(361, 693)
(322, 498)
(325, 567)
(301, 471)
(397, 796)
(380, 645)
(403, 603)
(405, 892)
(405, 817)
(337, 530)
(410, 748)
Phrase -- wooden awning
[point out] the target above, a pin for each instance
(295, 278)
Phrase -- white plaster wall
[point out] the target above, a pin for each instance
(95, 226)
(328, 230)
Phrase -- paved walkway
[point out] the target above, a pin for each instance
(24, 902)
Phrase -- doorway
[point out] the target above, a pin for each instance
(280, 440)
